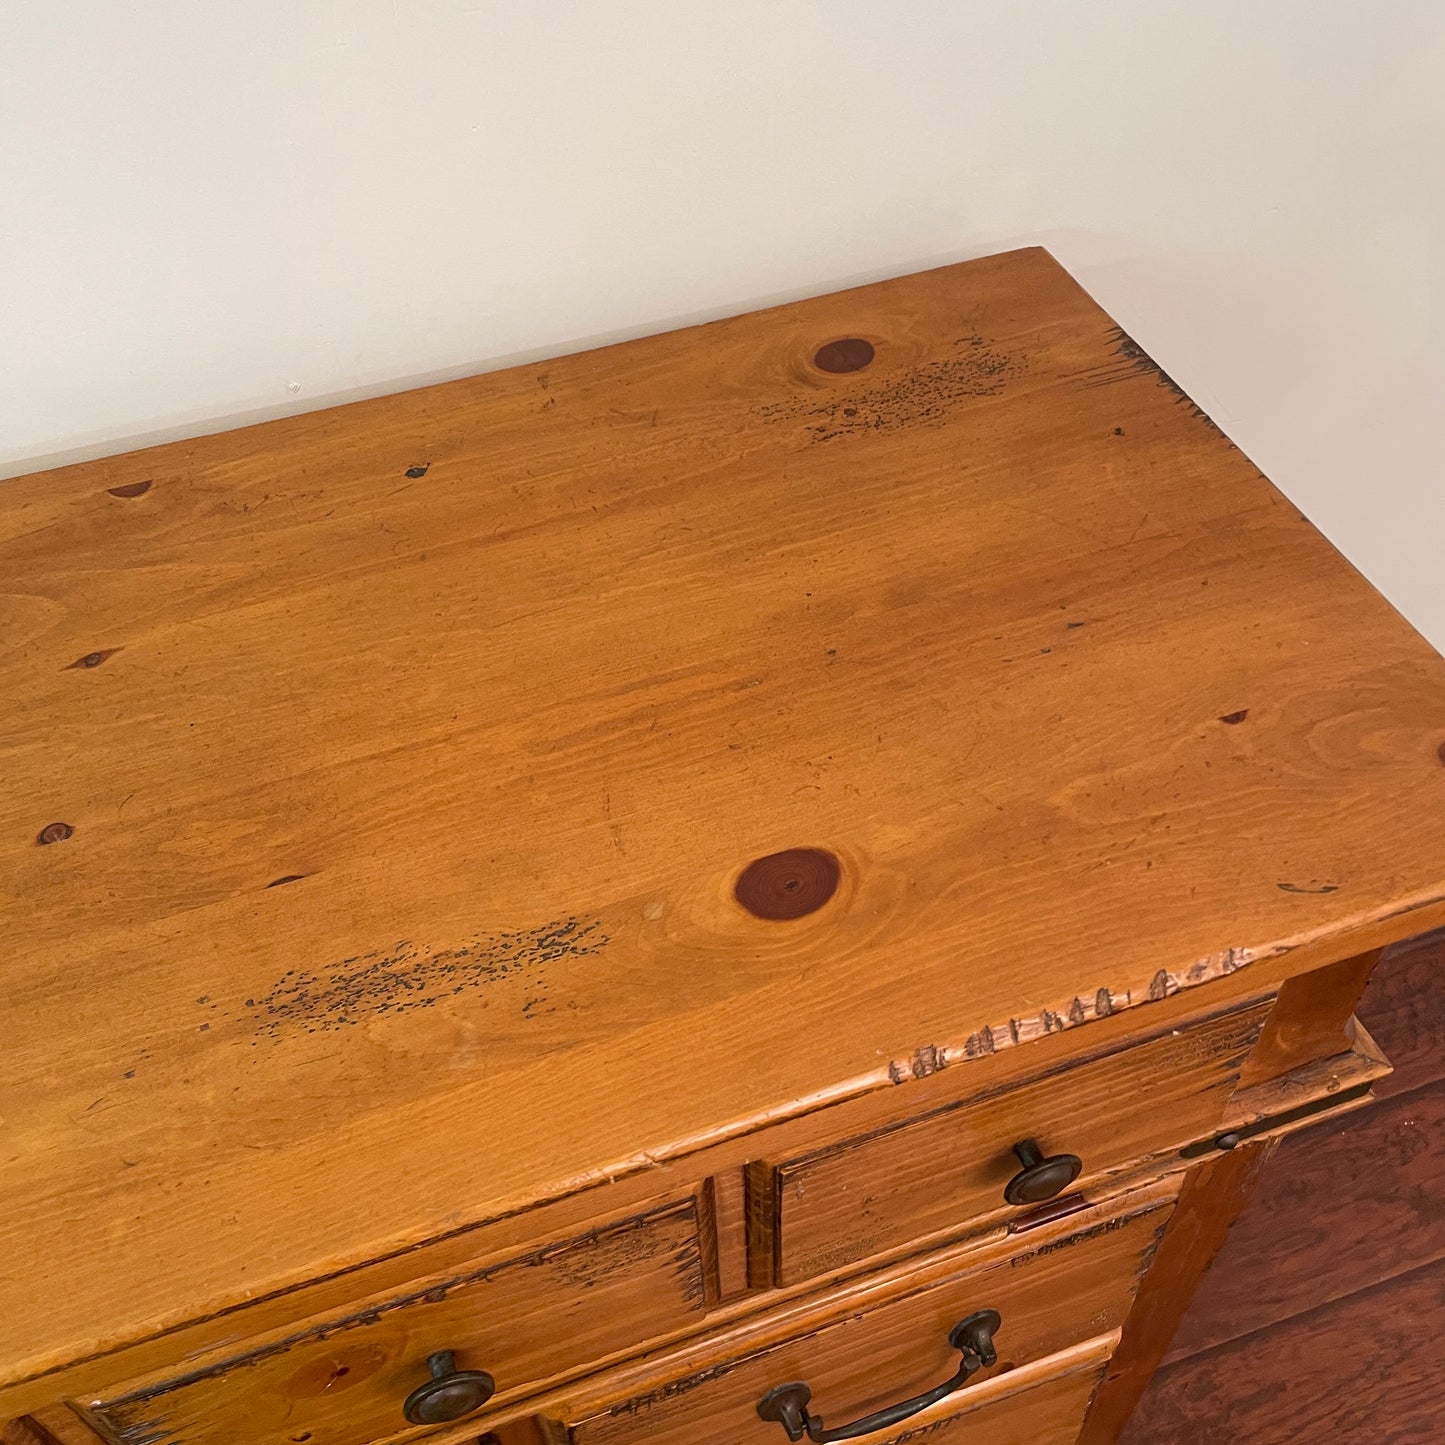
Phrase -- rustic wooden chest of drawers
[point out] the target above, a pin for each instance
(775, 882)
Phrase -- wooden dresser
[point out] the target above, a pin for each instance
(773, 882)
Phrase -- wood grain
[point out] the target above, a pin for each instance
(407, 756)
(1404, 1006)
(1212, 1196)
(1076, 1281)
(341, 1381)
(54, 1426)
(947, 1169)
(1373, 1371)
(1342, 1207)
(1312, 1019)
(1038, 1404)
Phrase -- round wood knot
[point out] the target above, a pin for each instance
(54, 833)
(850, 353)
(790, 884)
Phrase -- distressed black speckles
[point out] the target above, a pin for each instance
(386, 982)
(607, 1253)
(924, 395)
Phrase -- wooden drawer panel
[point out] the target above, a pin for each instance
(946, 1169)
(1072, 1282)
(1041, 1404)
(343, 1379)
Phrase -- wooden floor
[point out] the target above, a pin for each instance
(1323, 1318)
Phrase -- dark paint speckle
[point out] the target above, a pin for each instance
(924, 395)
(386, 982)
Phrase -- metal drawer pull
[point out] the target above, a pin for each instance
(788, 1404)
(1041, 1178)
(449, 1394)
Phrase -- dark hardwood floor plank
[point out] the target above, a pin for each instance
(1404, 1008)
(1339, 1208)
(1368, 1370)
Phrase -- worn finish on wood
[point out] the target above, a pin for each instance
(1057, 1290)
(378, 783)
(522, 1320)
(281, 1315)
(1306, 1095)
(1311, 1019)
(1213, 1194)
(937, 1172)
(1048, 1412)
(1374, 1371)
(1038, 1404)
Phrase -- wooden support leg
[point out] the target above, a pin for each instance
(1213, 1194)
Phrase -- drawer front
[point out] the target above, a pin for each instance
(1048, 1410)
(947, 1169)
(343, 1380)
(1069, 1285)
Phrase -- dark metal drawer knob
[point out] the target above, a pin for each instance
(449, 1394)
(1041, 1178)
(788, 1404)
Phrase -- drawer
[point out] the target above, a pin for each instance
(878, 1343)
(946, 1169)
(1042, 1404)
(343, 1379)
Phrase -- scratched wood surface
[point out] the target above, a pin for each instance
(396, 765)
(1060, 1290)
(1037, 1404)
(526, 1319)
(860, 1196)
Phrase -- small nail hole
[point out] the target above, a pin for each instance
(852, 353)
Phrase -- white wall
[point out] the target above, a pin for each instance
(217, 209)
